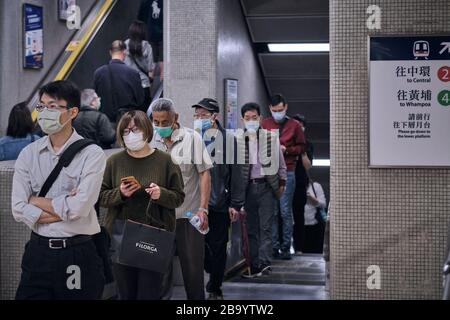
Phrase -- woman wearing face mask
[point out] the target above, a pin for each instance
(93, 124)
(158, 179)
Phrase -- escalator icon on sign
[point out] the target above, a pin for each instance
(421, 49)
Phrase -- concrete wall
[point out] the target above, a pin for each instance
(17, 83)
(236, 58)
(394, 218)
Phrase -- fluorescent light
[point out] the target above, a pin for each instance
(321, 162)
(299, 47)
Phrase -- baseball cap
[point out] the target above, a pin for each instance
(208, 104)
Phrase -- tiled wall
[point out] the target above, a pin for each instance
(396, 219)
(190, 53)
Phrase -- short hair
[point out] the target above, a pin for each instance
(277, 99)
(87, 96)
(163, 105)
(140, 120)
(251, 106)
(62, 90)
(117, 46)
(20, 123)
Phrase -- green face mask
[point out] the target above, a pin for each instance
(164, 132)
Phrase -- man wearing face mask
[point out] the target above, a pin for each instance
(227, 191)
(91, 123)
(262, 183)
(60, 260)
(188, 151)
(292, 142)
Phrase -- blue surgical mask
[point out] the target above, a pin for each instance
(252, 125)
(278, 116)
(202, 125)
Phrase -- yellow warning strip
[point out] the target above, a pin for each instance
(84, 40)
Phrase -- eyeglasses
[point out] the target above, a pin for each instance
(202, 116)
(40, 107)
(134, 129)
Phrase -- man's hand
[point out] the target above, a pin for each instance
(127, 189)
(233, 214)
(154, 191)
(280, 191)
(283, 149)
(204, 219)
(47, 218)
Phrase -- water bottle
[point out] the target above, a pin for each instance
(196, 222)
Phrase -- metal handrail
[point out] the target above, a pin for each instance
(69, 58)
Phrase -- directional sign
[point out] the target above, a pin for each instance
(409, 101)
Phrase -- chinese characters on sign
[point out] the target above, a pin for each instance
(409, 101)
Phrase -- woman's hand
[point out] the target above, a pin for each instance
(154, 191)
(127, 189)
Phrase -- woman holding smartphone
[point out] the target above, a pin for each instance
(132, 178)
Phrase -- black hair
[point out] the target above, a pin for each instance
(62, 90)
(277, 99)
(136, 33)
(249, 107)
(20, 123)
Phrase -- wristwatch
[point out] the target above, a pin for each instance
(204, 210)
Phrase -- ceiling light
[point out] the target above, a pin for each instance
(299, 47)
(321, 162)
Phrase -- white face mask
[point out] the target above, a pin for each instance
(134, 141)
(49, 121)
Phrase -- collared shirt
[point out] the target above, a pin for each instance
(189, 152)
(83, 176)
(256, 168)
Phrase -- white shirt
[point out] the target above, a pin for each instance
(310, 209)
(84, 174)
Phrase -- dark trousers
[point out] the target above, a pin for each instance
(298, 234)
(190, 249)
(259, 206)
(137, 284)
(74, 273)
(147, 99)
(216, 249)
(314, 238)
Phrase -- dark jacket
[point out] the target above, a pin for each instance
(94, 125)
(124, 92)
(227, 189)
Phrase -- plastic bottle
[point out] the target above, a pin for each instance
(196, 222)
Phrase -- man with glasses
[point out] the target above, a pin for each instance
(227, 191)
(60, 260)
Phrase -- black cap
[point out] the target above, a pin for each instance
(208, 104)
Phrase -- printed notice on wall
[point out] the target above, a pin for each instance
(409, 101)
(33, 36)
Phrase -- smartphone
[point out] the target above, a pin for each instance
(130, 179)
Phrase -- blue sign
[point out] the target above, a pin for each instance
(410, 48)
(33, 36)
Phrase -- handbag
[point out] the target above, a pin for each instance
(145, 247)
(321, 213)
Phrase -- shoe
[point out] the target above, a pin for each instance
(266, 269)
(276, 254)
(215, 296)
(252, 273)
(286, 255)
(298, 253)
